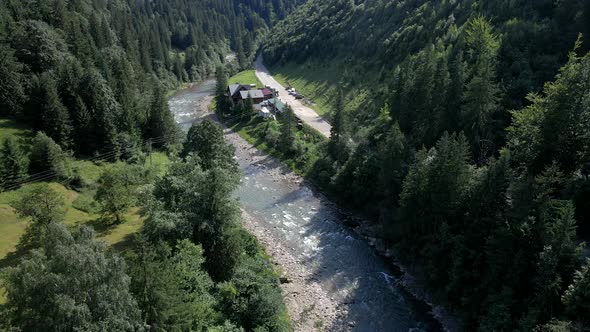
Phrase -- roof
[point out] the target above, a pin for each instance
(235, 88)
(266, 91)
(278, 104)
(252, 93)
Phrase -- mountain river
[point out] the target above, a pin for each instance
(332, 279)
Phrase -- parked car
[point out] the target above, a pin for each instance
(299, 96)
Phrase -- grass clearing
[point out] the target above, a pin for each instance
(159, 161)
(81, 209)
(245, 77)
(320, 84)
(12, 227)
(317, 82)
(18, 131)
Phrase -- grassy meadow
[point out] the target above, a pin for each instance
(245, 77)
(80, 205)
(320, 84)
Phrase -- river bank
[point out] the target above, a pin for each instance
(309, 306)
(333, 280)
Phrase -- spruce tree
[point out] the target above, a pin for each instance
(56, 119)
(287, 120)
(13, 164)
(161, 123)
(221, 82)
(338, 135)
(105, 111)
(577, 297)
(48, 156)
(12, 92)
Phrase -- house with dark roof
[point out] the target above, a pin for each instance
(233, 91)
(274, 105)
(256, 95)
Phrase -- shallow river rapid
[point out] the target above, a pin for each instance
(311, 229)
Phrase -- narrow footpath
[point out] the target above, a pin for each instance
(306, 114)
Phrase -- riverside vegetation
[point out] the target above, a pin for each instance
(461, 128)
(83, 111)
(191, 265)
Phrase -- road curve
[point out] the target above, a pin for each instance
(303, 112)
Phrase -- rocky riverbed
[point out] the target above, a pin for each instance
(332, 278)
(310, 306)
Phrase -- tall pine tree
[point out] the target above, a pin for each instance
(56, 119)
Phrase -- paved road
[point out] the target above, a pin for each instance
(336, 278)
(303, 112)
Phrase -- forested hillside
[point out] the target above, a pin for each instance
(468, 147)
(191, 266)
(112, 242)
(93, 74)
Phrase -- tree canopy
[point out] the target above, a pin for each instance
(466, 144)
(71, 283)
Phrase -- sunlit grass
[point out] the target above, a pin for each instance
(81, 209)
(245, 77)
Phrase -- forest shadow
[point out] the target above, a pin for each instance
(14, 257)
(102, 226)
(320, 81)
(18, 130)
(125, 244)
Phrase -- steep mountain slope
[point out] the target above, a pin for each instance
(460, 128)
(374, 37)
(81, 70)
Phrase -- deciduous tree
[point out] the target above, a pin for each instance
(71, 283)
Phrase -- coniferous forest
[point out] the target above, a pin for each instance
(460, 130)
(93, 74)
(91, 80)
(470, 147)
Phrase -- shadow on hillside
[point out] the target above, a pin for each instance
(21, 131)
(102, 226)
(126, 244)
(321, 80)
(14, 257)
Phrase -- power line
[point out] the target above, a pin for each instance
(49, 174)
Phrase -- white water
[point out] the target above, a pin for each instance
(344, 264)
